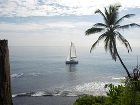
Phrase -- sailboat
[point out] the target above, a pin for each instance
(72, 58)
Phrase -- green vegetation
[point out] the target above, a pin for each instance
(91, 100)
(116, 95)
(109, 30)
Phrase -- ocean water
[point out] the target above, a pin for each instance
(41, 71)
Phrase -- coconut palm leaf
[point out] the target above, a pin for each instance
(122, 18)
(98, 40)
(128, 26)
(113, 14)
(124, 41)
(107, 16)
(100, 12)
(100, 25)
(106, 41)
(112, 49)
(93, 30)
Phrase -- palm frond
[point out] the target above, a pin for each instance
(125, 16)
(93, 46)
(112, 49)
(116, 26)
(124, 41)
(112, 46)
(102, 14)
(115, 15)
(98, 40)
(100, 25)
(111, 14)
(107, 17)
(93, 30)
(128, 26)
(106, 41)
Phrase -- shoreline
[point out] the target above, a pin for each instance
(44, 100)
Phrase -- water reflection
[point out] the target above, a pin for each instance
(71, 75)
(71, 67)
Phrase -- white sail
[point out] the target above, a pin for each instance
(69, 56)
(73, 51)
(72, 55)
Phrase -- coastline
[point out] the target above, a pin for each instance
(44, 100)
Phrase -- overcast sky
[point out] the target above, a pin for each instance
(57, 22)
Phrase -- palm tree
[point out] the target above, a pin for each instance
(110, 31)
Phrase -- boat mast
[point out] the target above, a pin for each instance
(137, 61)
(75, 52)
(70, 50)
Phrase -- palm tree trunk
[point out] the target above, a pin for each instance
(5, 83)
(124, 65)
(121, 61)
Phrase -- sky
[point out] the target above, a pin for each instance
(57, 22)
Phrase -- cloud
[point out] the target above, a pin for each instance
(26, 8)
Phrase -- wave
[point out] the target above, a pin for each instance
(44, 93)
(118, 78)
(92, 88)
(35, 94)
(18, 75)
(34, 74)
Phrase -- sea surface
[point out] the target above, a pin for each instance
(41, 71)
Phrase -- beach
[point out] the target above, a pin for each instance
(49, 100)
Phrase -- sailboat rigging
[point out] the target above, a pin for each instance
(72, 57)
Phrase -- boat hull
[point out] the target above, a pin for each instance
(71, 62)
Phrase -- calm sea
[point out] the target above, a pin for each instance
(41, 71)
